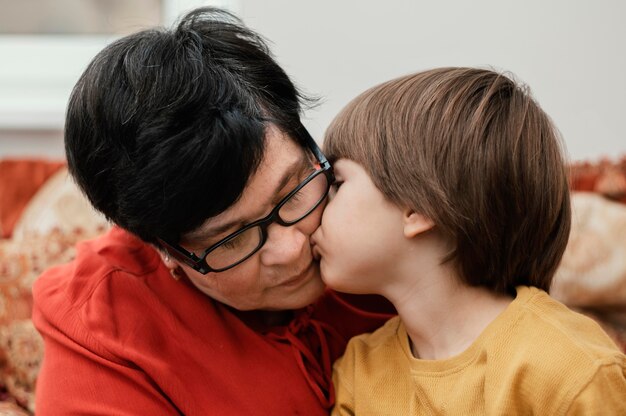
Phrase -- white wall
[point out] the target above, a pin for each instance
(37, 74)
(571, 53)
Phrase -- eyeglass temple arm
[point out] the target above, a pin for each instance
(312, 144)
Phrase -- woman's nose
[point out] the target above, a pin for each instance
(284, 245)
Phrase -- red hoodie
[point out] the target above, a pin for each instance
(124, 338)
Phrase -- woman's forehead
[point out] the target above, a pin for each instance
(283, 163)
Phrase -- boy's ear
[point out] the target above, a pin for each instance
(415, 224)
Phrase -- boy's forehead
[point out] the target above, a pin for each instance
(344, 165)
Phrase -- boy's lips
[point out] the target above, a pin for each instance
(315, 251)
(315, 247)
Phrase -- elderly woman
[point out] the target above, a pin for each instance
(205, 298)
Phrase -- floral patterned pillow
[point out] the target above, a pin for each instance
(23, 351)
(55, 219)
(592, 272)
(592, 275)
(59, 205)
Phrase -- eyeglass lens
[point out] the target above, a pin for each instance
(244, 244)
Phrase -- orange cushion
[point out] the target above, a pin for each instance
(19, 180)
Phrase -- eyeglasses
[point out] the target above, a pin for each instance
(237, 247)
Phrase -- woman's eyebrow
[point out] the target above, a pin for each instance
(295, 170)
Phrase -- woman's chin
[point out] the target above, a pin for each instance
(314, 293)
(307, 294)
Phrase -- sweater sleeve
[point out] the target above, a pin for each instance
(99, 383)
(605, 393)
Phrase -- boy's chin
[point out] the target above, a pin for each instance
(325, 274)
(335, 281)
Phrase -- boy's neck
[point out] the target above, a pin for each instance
(444, 317)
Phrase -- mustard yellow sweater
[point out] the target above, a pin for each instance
(536, 358)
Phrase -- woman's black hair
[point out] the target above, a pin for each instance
(165, 127)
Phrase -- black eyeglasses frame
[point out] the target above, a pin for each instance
(199, 264)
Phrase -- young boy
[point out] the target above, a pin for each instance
(451, 200)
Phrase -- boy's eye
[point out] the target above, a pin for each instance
(334, 188)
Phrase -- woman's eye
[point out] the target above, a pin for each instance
(230, 244)
(295, 198)
(233, 243)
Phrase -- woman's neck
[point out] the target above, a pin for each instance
(276, 318)
(262, 320)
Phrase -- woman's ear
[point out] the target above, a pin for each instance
(167, 260)
(175, 270)
(415, 223)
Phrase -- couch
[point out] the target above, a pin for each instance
(43, 215)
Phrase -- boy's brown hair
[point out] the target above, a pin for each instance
(471, 150)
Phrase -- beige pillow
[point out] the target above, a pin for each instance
(55, 219)
(593, 270)
(59, 206)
